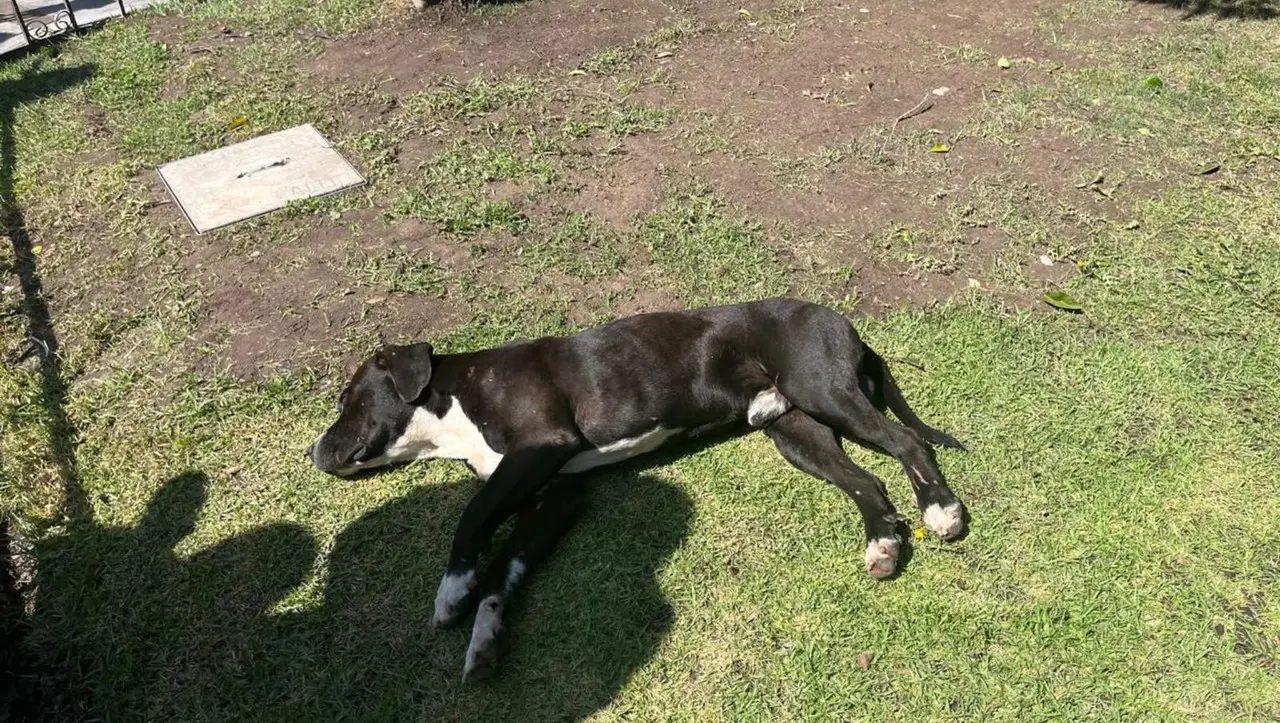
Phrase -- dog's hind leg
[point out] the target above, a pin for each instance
(882, 389)
(537, 530)
(851, 414)
(814, 448)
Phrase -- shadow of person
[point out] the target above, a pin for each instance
(160, 637)
(141, 624)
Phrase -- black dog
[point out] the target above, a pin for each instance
(528, 411)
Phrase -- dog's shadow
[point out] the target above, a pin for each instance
(215, 636)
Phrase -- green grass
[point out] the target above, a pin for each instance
(398, 270)
(1123, 469)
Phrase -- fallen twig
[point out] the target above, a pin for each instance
(919, 108)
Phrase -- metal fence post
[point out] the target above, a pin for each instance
(17, 14)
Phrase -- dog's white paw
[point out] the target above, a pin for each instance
(882, 556)
(419, 4)
(454, 590)
(945, 522)
(486, 638)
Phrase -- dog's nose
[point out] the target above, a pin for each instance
(311, 452)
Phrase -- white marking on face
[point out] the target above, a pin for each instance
(453, 590)
(945, 522)
(453, 436)
(882, 556)
(484, 634)
(619, 450)
(766, 407)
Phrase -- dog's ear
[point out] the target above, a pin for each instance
(410, 368)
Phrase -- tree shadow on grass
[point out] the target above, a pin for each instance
(162, 637)
(1228, 9)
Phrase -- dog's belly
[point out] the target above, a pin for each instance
(765, 407)
(619, 450)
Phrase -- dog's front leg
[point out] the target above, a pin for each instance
(517, 478)
(538, 528)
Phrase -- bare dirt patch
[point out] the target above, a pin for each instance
(166, 29)
(798, 100)
(646, 301)
(791, 93)
(286, 307)
(529, 40)
(830, 77)
(627, 181)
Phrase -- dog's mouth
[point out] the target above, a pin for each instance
(358, 471)
(353, 472)
(346, 466)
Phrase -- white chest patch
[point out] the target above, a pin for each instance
(619, 450)
(453, 436)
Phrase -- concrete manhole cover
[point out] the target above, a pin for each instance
(220, 187)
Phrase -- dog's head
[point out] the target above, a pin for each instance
(376, 412)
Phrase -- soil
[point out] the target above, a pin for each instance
(283, 307)
(788, 90)
(628, 183)
(555, 35)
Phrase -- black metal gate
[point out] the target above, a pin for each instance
(27, 22)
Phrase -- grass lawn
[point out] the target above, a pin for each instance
(543, 166)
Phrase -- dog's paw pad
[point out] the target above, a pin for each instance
(882, 556)
(945, 522)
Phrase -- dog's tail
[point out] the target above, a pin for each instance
(883, 391)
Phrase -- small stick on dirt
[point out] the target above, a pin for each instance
(598, 93)
(920, 107)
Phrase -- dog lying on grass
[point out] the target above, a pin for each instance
(530, 415)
